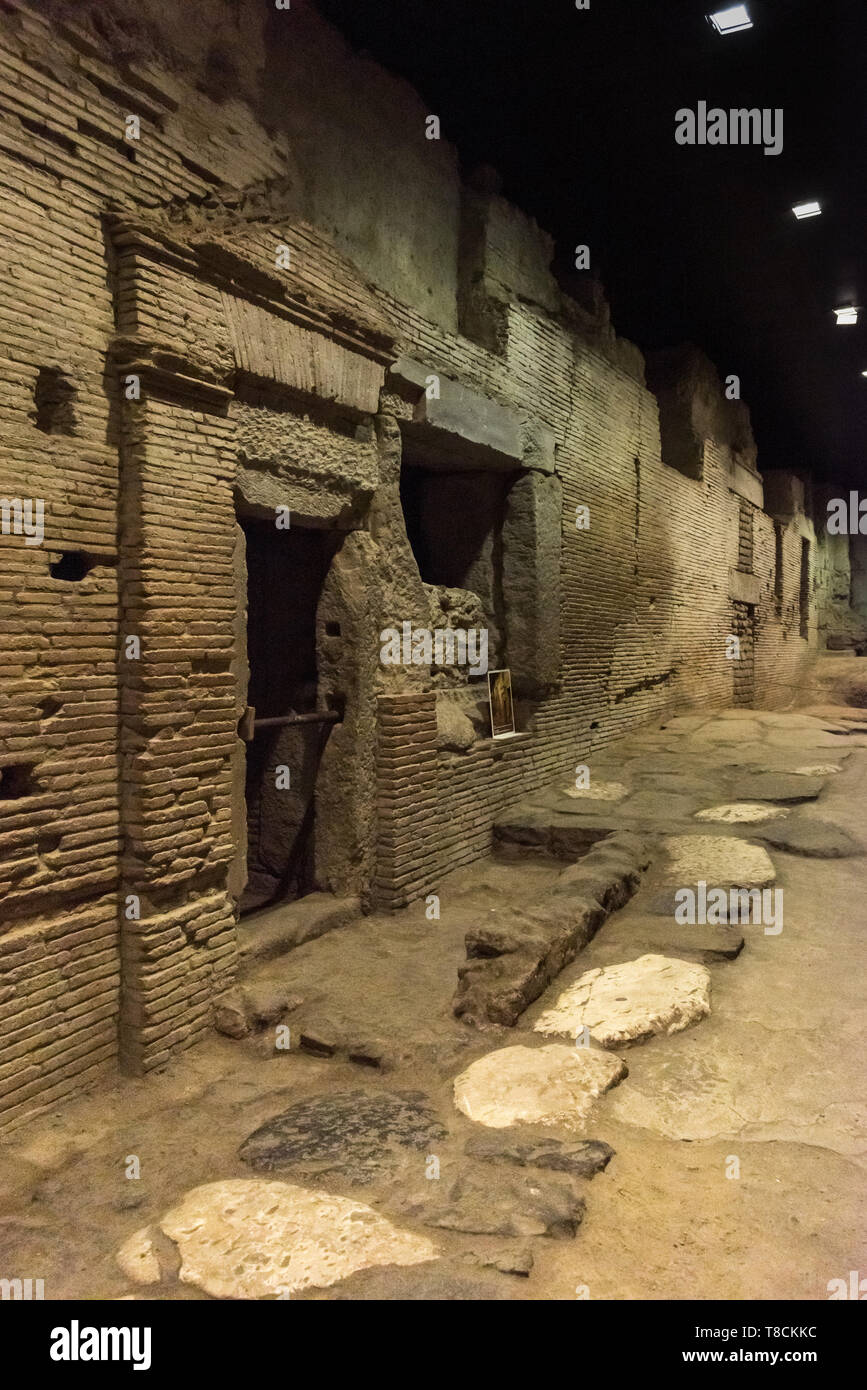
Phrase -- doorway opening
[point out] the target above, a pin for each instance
(285, 574)
(454, 524)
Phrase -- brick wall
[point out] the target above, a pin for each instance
(178, 726)
(409, 810)
(745, 537)
(744, 663)
(119, 794)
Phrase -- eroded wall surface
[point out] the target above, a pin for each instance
(841, 527)
(238, 310)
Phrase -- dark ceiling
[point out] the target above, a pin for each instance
(576, 110)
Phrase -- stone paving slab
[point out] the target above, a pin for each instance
(548, 1085)
(440, 1281)
(356, 1135)
(761, 763)
(741, 813)
(641, 932)
(583, 1158)
(251, 1238)
(598, 791)
(817, 839)
(630, 1002)
(777, 786)
(518, 1204)
(719, 861)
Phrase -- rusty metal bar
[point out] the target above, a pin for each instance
(329, 716)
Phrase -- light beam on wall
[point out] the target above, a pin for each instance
(732, 20)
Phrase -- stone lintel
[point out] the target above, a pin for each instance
(408, 374)
(309, 504)
(467, 420)
(474, 418)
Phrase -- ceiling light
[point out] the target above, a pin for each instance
(731, 21)
(864, 373)
(802, 210)
(848, 314)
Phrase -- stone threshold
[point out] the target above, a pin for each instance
(260, 996)
(272, 931)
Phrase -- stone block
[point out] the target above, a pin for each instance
(473, 419)
(276, 930)
(512, 958)
(539, 444)
(531, 582)
(744, 588)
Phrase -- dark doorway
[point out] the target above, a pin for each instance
(285, 573)
(454, 524)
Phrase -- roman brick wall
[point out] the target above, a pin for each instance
(59, 824)
(64, 774)
(179, 720)
(646, 608)
(119, 794)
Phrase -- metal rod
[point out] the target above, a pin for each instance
(329, 716)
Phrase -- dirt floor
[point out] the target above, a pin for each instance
(770, 1086)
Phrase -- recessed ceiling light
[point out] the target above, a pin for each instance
(802, 210)
(731, 21)
(848, 314)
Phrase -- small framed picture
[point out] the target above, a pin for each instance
(502, 708)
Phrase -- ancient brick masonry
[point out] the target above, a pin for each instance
(406, 793)
(220, 319)
(178, 694)
(743, 628)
